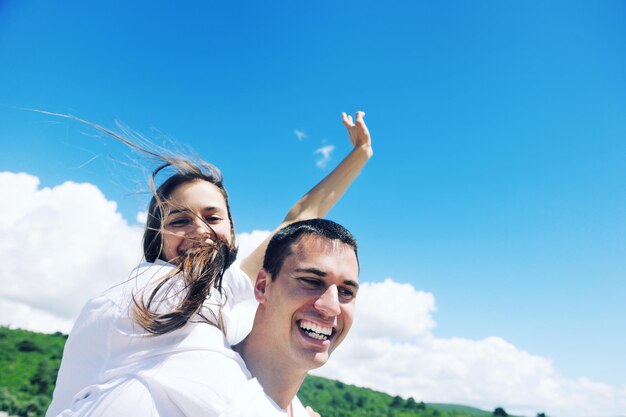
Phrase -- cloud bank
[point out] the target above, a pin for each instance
(391, 348)
(59, 246)
(65, 244)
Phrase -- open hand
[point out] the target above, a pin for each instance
(359, 135)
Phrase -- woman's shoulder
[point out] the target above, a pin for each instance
(145, 277)
(236, 282)
(146, 272)
(115, 301)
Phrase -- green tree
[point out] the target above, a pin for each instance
(397, 402)
(499, 411)
(44, 378)
(35, 407)
(8, 402)
(360, 401)
(27, 346)
(348, 397)
(411, 404)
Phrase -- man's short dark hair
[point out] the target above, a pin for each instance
(281, 243)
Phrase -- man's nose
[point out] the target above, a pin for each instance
(328, 302)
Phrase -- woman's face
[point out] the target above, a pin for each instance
(196, 210)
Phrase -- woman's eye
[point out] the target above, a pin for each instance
(213, 219)
(179, 222)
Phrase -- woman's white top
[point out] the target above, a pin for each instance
(112, 367)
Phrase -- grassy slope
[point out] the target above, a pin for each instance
(29, 363)
(465, 410)
(28, 366)
(336, 399)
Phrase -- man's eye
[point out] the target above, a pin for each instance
(310, 282)
(346, 294)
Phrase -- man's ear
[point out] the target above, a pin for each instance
(260, 286)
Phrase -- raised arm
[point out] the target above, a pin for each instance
(321, 198)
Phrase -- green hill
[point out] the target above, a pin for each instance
(336, 399)
(29, 363)
(28, 367)
(455, 409)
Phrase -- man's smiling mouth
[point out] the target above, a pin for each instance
(316, 331)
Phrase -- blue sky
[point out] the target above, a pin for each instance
(498, 182)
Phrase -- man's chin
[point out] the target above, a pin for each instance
(314, 352)
(319, 360)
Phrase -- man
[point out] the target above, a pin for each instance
(306, 293)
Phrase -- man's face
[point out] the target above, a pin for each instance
(309, 307)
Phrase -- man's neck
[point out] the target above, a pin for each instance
(279, 381)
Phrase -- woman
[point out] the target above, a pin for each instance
(122, 336)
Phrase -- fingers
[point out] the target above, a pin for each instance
(312, 412)
(359, 117)
(347, 120)
(357, 129)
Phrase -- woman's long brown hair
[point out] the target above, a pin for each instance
(201, 268)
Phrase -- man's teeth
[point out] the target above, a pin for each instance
(316, 331)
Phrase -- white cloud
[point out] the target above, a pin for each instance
(391, 348)
(408, 318)
(23, 316)
(249, 241)
(60, 246)
(325, 155)
(65, 244)
(142, 217)
(300, 134)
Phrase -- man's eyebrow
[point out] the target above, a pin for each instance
(351, 283)
(313, 271)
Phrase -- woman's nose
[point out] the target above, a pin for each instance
(201, 228)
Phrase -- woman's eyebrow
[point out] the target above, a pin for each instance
(177, 211)
(186, 210)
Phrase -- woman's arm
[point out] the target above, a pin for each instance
(321, 198)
